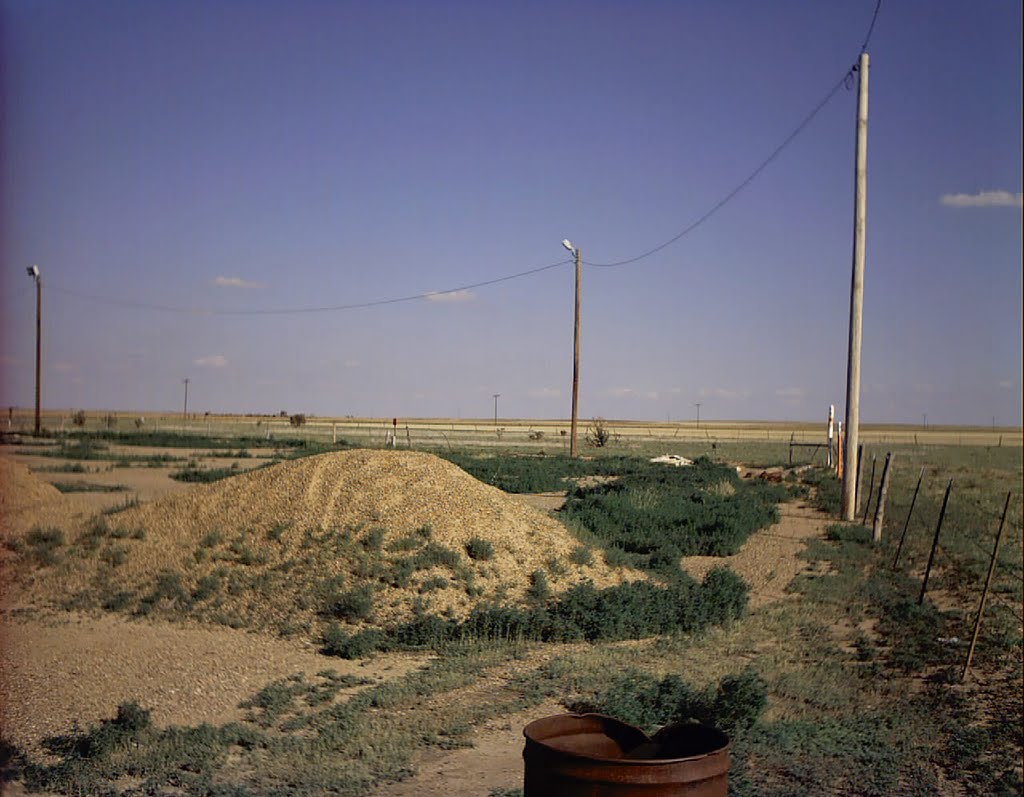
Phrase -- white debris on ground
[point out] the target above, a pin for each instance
(673, 459)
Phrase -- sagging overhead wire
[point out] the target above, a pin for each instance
(846, 81)
(301, 310)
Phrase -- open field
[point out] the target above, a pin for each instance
(547, 435)
(168, 637)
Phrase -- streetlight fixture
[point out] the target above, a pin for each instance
(578, 254)
(33, 272)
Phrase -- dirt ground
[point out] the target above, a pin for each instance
(58, 670)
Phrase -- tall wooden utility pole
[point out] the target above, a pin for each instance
(576, 355)
(184, 414)
(860, 218)
(39, 351)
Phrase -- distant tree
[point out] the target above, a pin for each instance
(298, 419)
(599, 434)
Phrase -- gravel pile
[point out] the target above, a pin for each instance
(21, 490)
(269, 549)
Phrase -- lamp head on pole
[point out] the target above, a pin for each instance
(568, 245)
(33, 272)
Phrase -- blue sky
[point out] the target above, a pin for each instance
(235, 156)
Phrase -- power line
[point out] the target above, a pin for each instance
(871, 27)
(299, 310)
(844, 81)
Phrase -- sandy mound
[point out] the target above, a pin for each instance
(357, 536)
(21, 490)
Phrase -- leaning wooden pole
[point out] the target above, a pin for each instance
(871, 492)
(849, 507)
(883, 494)
(935, 543)
(906, 525)
(984, 591)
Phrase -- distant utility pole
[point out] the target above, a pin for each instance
(496, 397)
(578, 253)
(33, 271)
(184, 413)
(924, 420)
(860, 219)
(697, 405)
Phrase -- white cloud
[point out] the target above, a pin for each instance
(351, 364)
(211, 361)
(544, 393)
(628, 392)
(984, 199)
(723, 393)
(794, 393)
(1006, 383)
(236, 282)
(450, 296)
(64, 368)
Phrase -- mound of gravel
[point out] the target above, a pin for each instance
(21, 490)
(360, 537)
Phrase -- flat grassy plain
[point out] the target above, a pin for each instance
(845, 686)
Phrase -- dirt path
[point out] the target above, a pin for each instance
(768, 562)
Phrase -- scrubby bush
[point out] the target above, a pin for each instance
(352, 605)
(338, 642)
(650, 703)
(539, 589)
(479, 549)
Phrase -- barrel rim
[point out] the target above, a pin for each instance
(644, 762)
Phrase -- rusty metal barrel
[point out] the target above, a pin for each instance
(590, 755)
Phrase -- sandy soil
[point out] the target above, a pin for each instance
(61, 669)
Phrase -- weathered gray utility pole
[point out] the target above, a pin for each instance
(496, 397)
(860, 219)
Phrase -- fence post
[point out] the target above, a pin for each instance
(871, 491)
(935, 543)
(903, 536)
(883, 490)
(856, 484)
(984, 591)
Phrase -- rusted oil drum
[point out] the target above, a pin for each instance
(590, 755)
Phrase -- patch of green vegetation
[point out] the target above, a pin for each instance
(582, 556)
(657, 514)
(583, 613)
(41, 547)
(88, 487)
(649, 703)
(206, 475)
(827, 492)
(69, 467)
(127, 503)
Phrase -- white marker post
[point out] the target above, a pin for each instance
(831, 430)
